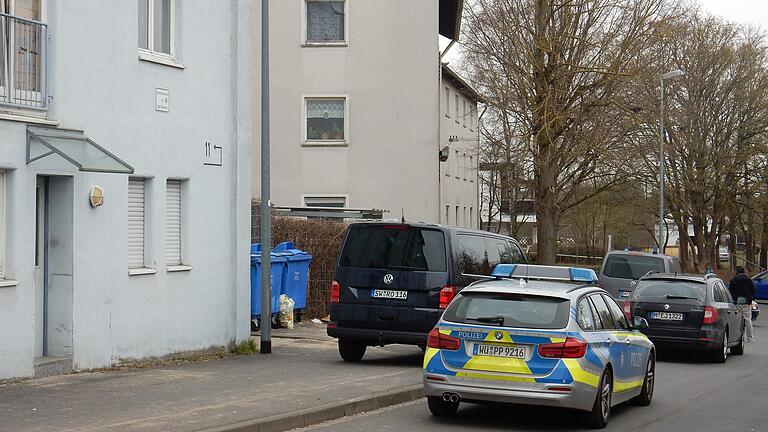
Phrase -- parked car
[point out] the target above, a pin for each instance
(621, 270)
(689, 312)
(539, 339)
(393, 280)
(724, 254)
(755, 310)
(761, 285)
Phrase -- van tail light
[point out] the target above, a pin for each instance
(627, 308)
(710, 315)
(447, 293)
(437, 340)
(570, 348)
(335, 292)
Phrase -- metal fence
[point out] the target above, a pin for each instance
(23, 63)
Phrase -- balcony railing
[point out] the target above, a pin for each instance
(23, 63)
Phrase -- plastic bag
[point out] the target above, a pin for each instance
(285, 317)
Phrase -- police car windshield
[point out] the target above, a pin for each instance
(395, 247)
(509, 310)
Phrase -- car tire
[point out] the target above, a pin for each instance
(720, 354)
(350, 350)
(440, 408)
(649, 383)
(739, 349)
(601, 410)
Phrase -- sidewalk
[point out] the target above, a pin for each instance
(303, 381)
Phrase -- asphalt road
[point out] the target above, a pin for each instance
(691, 395)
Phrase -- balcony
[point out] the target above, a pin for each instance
(23, 63)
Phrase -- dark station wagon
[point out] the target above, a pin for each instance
(393, 280)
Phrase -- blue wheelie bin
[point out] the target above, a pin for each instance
(278, 264)
(296, 274)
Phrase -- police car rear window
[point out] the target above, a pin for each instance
(509, 310)
(395, 247)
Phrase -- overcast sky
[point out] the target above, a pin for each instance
(742, 11)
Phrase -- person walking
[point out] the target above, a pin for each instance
(742, 287)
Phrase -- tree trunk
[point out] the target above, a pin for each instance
(683, 248)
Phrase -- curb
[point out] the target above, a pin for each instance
(324, 413)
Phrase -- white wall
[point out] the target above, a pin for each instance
(459, 177)
(389, 70)
(99, 85)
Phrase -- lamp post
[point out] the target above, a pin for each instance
(664, 77)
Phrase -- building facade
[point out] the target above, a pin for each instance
(124, 180)
(459, 181)
(355, 96)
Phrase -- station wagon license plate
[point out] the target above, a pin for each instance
(518, 352)
(389, 294)
(667, 316)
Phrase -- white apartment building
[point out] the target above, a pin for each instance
(356, 107)
(125, 134)
(459, 181)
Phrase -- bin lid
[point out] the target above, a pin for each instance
(275, 258)
(282, 247)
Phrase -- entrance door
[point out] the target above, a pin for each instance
(53, 266)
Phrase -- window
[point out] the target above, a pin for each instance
(173, 223)
(472, 255)
(466, 217)
(464, 167)
(457, 216)
(584, 315)
(447, 102)
(464, 114)
(325, 201)
(601, 309)
(325, 120)
(155, 26)
(472, 168)
(457, 165)
(395, 248)
(513, 310)
(471, 217)
(448, 215)
(136, 223)
(618, 315)
(2, 224)
(456, 106)
(325, 21)
(472, 117)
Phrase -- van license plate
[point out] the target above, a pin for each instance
(517, 352)
(389, 294)
(667, 316)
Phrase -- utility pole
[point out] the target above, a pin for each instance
(265, 346)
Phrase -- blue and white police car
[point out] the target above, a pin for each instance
(539, 335)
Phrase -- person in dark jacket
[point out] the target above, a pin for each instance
(742, 286)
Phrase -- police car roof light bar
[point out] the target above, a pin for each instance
(541, 272)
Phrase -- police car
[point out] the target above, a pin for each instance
(538, 335)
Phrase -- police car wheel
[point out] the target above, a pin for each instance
(351, 351)
(601, 410)
(440, 408)
(646, 394)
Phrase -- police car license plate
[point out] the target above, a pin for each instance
(667, 316)
(518, 352)
(389, 294)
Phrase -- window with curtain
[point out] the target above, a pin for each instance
(155, 25)
(325, 21)
(325, 119)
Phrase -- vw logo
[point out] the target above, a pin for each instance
(498, 335)
(388, 279)
(666, 306)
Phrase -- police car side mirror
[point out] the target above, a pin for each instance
(639, 323)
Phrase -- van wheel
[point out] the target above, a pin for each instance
(440, 408)
(601, 410)
(351, 351)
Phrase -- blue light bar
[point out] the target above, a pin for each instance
(542, 272)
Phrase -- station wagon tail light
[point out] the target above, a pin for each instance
(435, 339)
(447, 293)
(335, 292)
(627, 308)
(710, 315)
(570, 348)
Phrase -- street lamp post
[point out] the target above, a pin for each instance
(664, 77)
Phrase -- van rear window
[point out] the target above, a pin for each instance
(632, 266)
(395, 247)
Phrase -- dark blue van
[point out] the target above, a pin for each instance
(393, 280)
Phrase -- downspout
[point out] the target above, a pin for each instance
(440, 130)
